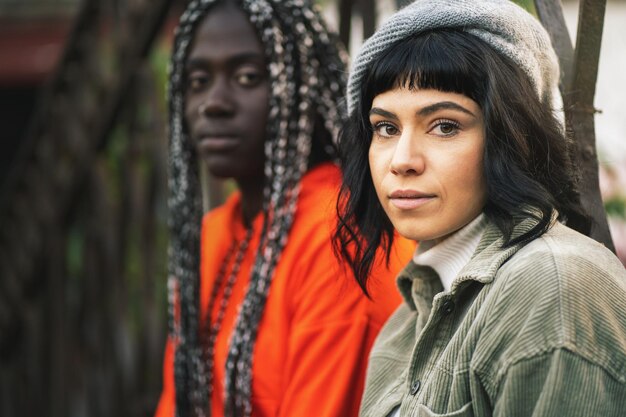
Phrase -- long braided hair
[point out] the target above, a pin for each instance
(307, 75)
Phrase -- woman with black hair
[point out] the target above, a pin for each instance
(261, 321)
(453, 142)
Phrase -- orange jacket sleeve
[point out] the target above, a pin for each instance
(334, 327)
(165, 407)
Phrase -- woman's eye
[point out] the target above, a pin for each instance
(385, 129)
(197, 81)
(248, 78)
(445, 128)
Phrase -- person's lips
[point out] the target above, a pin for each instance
(216, 142)
(409, 199)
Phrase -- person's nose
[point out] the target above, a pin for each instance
(218, 100)
(408, 156)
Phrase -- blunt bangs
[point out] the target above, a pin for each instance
(445, 60)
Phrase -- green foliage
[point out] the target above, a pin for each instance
(616, 207)
(74, 253)
(528, 5)
(159, 60)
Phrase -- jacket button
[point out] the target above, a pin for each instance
(415, 387)
(448, 307)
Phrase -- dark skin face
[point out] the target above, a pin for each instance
(227, 101)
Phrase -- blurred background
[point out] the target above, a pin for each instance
(83, 235)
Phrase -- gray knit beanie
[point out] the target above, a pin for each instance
(508, 28)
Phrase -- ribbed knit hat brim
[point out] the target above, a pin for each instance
(505, 26)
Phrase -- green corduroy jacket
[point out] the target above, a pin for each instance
(532, 330)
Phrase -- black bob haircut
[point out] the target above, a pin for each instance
(527, 165)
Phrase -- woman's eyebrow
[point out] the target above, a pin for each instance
(384, 113)
(443, 105)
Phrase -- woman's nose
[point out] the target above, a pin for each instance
(218, 100)
(408, 157)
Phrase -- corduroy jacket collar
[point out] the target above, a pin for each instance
(422, 281)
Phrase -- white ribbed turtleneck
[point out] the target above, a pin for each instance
(447, 258)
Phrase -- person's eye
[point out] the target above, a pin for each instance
(445, 128)
(197, 80)
(385, 129)
(249, 77)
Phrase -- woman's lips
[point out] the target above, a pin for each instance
(217, 143)
(409, 199)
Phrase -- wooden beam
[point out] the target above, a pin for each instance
(580, 112)
(550, 13)
(345, 21)
(579, 70)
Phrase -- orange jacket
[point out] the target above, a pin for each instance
(314, 338)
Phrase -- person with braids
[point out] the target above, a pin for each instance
(263, 320)
(453, 141)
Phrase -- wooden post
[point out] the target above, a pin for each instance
(368, 13)
(579, 70)
(345, 21)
